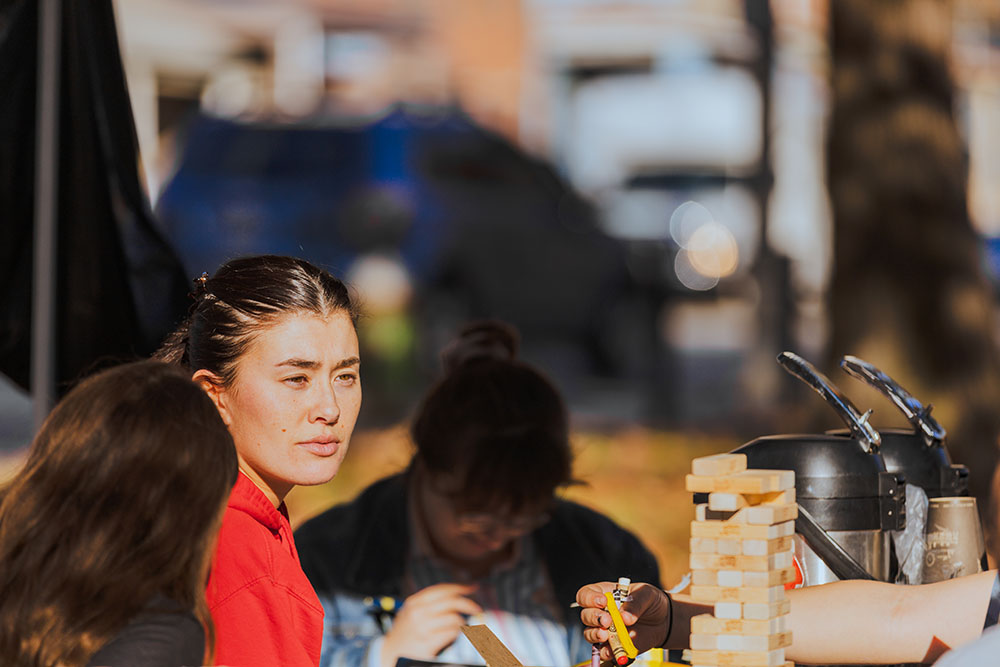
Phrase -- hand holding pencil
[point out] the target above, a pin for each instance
(647, 615)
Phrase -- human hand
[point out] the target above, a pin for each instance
(647, 615)
(428, 622)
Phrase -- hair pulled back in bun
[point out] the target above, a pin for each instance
(494, 425)
(482, 339)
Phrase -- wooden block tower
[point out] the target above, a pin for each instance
(741, 559)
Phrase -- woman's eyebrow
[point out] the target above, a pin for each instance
(295, 362)
(349, 361)
(307, 364)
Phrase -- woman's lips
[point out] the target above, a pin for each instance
(324, 446)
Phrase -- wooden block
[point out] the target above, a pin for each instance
(766, 547)
(700, 642)
(762, 515)
(751, 642)
(727, 502)
(704, 578)
(730, 502)
(730, 610)
(741, 530)
(758, 611)
(728, 578)
(773, 658)
(785, 575)
(747, 481)
(728, 546)
(707, 624)
(703, 545)
(777, 561)
(719, 464)
(741, 594)
(755, 579)
(786, 497)
(770, 514)
(704, 513)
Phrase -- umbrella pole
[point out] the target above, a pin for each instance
(43, 354)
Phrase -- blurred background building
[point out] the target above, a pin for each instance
(640, 187)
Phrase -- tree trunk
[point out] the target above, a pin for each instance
(908, 293)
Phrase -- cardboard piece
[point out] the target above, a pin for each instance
(492, 649)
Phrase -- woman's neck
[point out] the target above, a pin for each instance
(273, 496)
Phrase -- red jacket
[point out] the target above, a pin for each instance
(265, 611)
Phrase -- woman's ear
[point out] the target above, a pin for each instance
(212, 385)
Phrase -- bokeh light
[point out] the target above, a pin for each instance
(691, 277)
(712, 250)
(709, 251)
(686, 219)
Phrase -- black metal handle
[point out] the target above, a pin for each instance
(918, 414)
(863, 432)
(839, 561)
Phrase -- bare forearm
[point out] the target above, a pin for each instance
(872, 622)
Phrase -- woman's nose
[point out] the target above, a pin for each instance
(327, 408)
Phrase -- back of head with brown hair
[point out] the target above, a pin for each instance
(496, 423)
(118, 503)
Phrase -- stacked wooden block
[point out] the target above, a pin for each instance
(741, 559)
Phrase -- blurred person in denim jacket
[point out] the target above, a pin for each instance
(472, 531)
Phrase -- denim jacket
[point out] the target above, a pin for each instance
(358, 550)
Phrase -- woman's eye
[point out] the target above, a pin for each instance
(347, 378)
(296, 381)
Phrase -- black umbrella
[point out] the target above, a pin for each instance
(100, 282)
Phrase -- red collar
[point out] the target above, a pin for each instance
(246, 497)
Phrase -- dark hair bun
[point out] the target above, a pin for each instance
(481, 340)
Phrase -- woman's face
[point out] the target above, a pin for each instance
(294, 401)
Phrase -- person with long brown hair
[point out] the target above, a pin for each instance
(107, 531)
(272, 341)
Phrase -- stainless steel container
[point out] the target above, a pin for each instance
(869, 548)
(848, 505)
(848, 502)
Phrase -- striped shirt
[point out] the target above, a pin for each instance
(517, 599)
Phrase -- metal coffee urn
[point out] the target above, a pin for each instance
(930, 548)
(920, 455)
(848, 501)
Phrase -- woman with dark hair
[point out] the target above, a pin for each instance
(272, 341)
(107, 531)
(472, 532)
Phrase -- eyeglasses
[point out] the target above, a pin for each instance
(482, 524)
